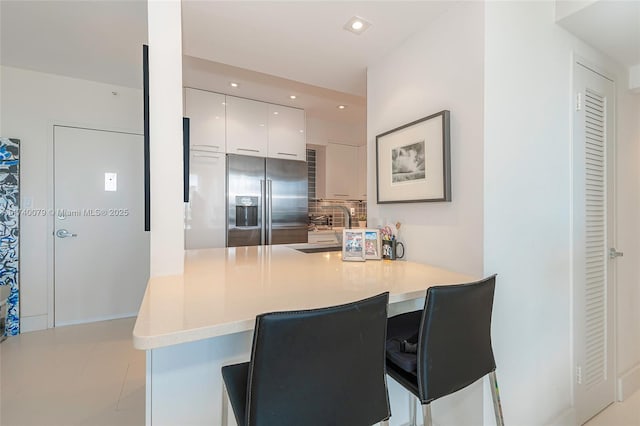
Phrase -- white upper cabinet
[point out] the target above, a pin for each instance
(361, 189)
(206, 111)
(286, 133)
(342, 172)
(222, 124)
(247, 131)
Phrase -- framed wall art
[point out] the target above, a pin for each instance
(413, 162)
(372, 244)
(353, 244)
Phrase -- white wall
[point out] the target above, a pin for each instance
(565, 8)
(634, 78)
(507, 82)
(628, 235)
(1, 68)
(321, 132)
(439, 68)
(31, 104)
(527, 191)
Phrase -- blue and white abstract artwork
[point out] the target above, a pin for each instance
(9, 229)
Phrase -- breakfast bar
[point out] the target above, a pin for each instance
(191, 325)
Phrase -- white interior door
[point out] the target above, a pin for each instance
(101, 249)
(593, 237)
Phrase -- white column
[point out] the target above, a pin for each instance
(165, 129)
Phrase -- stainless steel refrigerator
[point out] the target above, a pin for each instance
(266, 201)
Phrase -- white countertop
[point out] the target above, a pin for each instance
(222, 290)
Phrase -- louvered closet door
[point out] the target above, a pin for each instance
(593, 235)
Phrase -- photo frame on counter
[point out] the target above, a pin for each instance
(413, 162)
(372, 244)
(353, 245)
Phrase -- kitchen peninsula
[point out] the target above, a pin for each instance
(192, 324)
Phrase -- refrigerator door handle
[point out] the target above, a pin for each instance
(263, 219)
(270, 208)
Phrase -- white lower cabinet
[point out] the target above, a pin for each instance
(323, 237)
(205, 225)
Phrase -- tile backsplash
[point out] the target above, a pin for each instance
(315, 209)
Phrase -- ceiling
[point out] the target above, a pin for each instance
(318, 102)
(304, 40)
(613, 27)
(273, 49)
(92, 40)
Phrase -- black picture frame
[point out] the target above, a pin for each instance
(413, 162)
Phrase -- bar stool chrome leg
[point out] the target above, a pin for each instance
(412, 410)
(225, 407)
(495, 394)
(426, 413)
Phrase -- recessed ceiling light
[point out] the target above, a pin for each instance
(357, 25)
(293, 96)
(342, 106)
(275, 113)
(232, 84)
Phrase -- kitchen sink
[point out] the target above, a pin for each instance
(319, 249)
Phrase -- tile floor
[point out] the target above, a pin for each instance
(84, 375)
(90, 375)
(625, 413)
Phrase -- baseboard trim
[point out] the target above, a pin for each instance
(97, 319)
(33, 323)
(629, 382)
(566, 418)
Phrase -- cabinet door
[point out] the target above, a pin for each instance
(205, 220)
(361, 189)
(207, 113)
(247, 127)
(286, 133)
(342, 166)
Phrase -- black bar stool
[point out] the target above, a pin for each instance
(446, 346)
(317, 367)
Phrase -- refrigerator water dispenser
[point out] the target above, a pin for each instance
(246, 211)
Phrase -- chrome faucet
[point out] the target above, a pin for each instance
(345, 211)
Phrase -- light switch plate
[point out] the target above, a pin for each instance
(110, 181)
